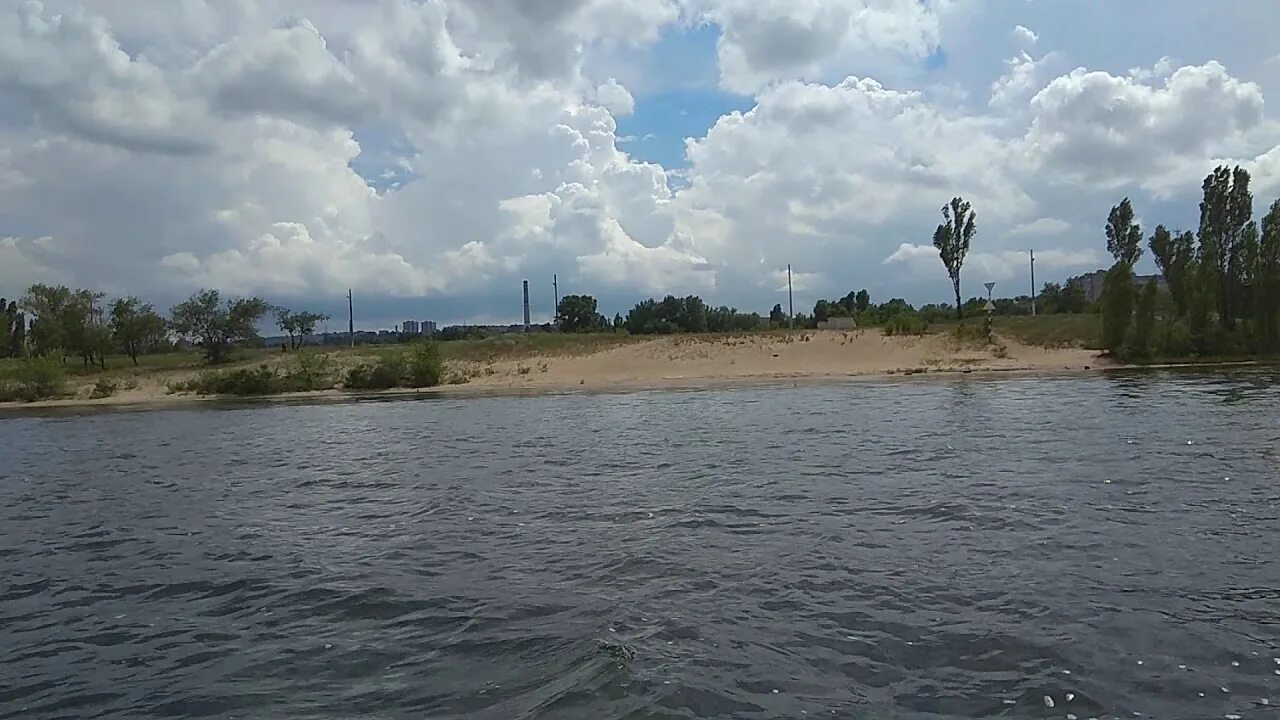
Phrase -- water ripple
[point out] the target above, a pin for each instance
(1088, 547)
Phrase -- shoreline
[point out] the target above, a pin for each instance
(623, 387)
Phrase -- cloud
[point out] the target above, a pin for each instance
(1100, 128)
(615, 98)
(433, 154)
(762, 42)
(1041, 227)
(1025, 36)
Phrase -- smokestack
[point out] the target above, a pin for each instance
(526, 306)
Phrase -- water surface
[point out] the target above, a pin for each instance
(943, 548)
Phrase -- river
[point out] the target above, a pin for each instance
(1075, 547)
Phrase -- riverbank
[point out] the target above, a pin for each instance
(631, 364)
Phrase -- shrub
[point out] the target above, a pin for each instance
(34, 379)
(308, 371)
(261, 380)
(385, 374)
(104, 388)
(905, 324)
(425, 368)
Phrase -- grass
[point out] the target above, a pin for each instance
(1052, 331)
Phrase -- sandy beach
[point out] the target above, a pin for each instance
(671, 362)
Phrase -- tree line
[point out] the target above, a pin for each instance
(59, 322)
(1223, 279)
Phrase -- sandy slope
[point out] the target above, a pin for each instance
(692, 362)
(711, 360)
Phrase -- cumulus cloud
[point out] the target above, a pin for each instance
(762, 42)
(615, 98)
(1097, 127)
(1025, 36)
(448, 149)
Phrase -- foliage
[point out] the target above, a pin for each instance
(387, 373)
(135, 327)
(103, 388)
(308, 371)
(1144, 322)
(260, 380)
(1175, 255)
(689, 314)
(861, 301)
(13, 328)
(952, 239)
(1117, 305)
(1124, 236)
(777, 318)
(906, 324)
(424, 365)
(577, 313)
(35, 378)
(66, 322)
(1267, 284)
(1059, 299)
(217, 327)
(297, 325)
(1225, 214)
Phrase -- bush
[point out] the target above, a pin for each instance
(425, 367)
(386, 374)
(905, 324)
(308, 371)
(261, 380)
(104, 388)
(34, 379)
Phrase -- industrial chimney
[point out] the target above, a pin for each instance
(526, 306)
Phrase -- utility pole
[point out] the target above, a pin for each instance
(351, 320)
(555, 288)
(1033, 283)
(791, 301)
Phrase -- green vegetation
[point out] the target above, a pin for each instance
(1224, 281)
(688, 315)
(33, 379)
(217, 328)
(952, 240)
(420, 367)
(906, 324)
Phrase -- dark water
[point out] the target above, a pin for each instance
(944, 548)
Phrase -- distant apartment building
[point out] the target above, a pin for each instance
(1091, 283)
(410, 327)
(429, 327)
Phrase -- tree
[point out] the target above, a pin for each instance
(1073, 299)
(1174, 255)
(13, 328)
(1144, 322)
(286, 323)
(1117, 306)
(822, 311)
(1225, 213)
(298, 325)
(952, 240)
(66, 322)
(203, 318)
(305, 323)
(135, 326)
(1124, 236)
(776, 316)
(862, 301)
(576, 313)
(1267, 279)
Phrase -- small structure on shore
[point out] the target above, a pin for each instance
(838, 323)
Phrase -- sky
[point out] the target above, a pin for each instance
(431, 154)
